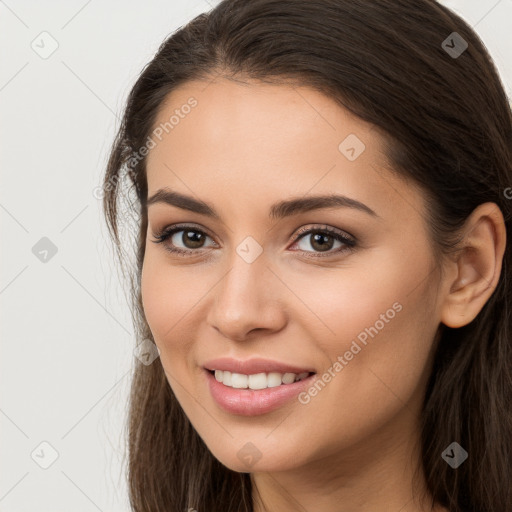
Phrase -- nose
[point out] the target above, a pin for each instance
(248, 298)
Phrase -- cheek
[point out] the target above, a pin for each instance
(167, 301)
(168, 297)
(379, 328)
(155, 293)
(385, 295)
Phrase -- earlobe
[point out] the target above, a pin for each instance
(478, 266)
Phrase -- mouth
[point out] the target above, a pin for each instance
(257, 381)
(257, 393)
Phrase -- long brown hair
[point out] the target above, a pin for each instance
(448, 125)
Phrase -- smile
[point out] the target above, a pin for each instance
(258, 380)
(273, 390)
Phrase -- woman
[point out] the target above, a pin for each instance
(324, 197)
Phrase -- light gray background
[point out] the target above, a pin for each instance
(67, 346)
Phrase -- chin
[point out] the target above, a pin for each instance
(256, 457)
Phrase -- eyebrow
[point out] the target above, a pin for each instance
(278, 210)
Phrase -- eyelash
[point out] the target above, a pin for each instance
(350, 243)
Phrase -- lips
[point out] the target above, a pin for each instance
(249, 402)
(255, 365)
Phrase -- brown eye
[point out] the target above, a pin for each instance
(321, 242)
(192, 239)
(182, 239)
(324, 241)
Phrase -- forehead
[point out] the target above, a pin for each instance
(255, 116)
(228, 140)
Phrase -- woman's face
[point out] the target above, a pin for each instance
(361, 314)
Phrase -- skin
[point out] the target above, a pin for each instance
(353, 447)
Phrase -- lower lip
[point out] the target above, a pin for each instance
(250, 402)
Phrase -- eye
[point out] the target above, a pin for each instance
(323, 239)
(320, 239)
(190, 237)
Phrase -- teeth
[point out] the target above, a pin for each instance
(257, 380)
(239, 380)
(274, 379)
(288, 378)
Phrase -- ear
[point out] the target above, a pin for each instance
(477, 266)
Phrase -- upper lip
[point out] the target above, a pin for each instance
(252, 366)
